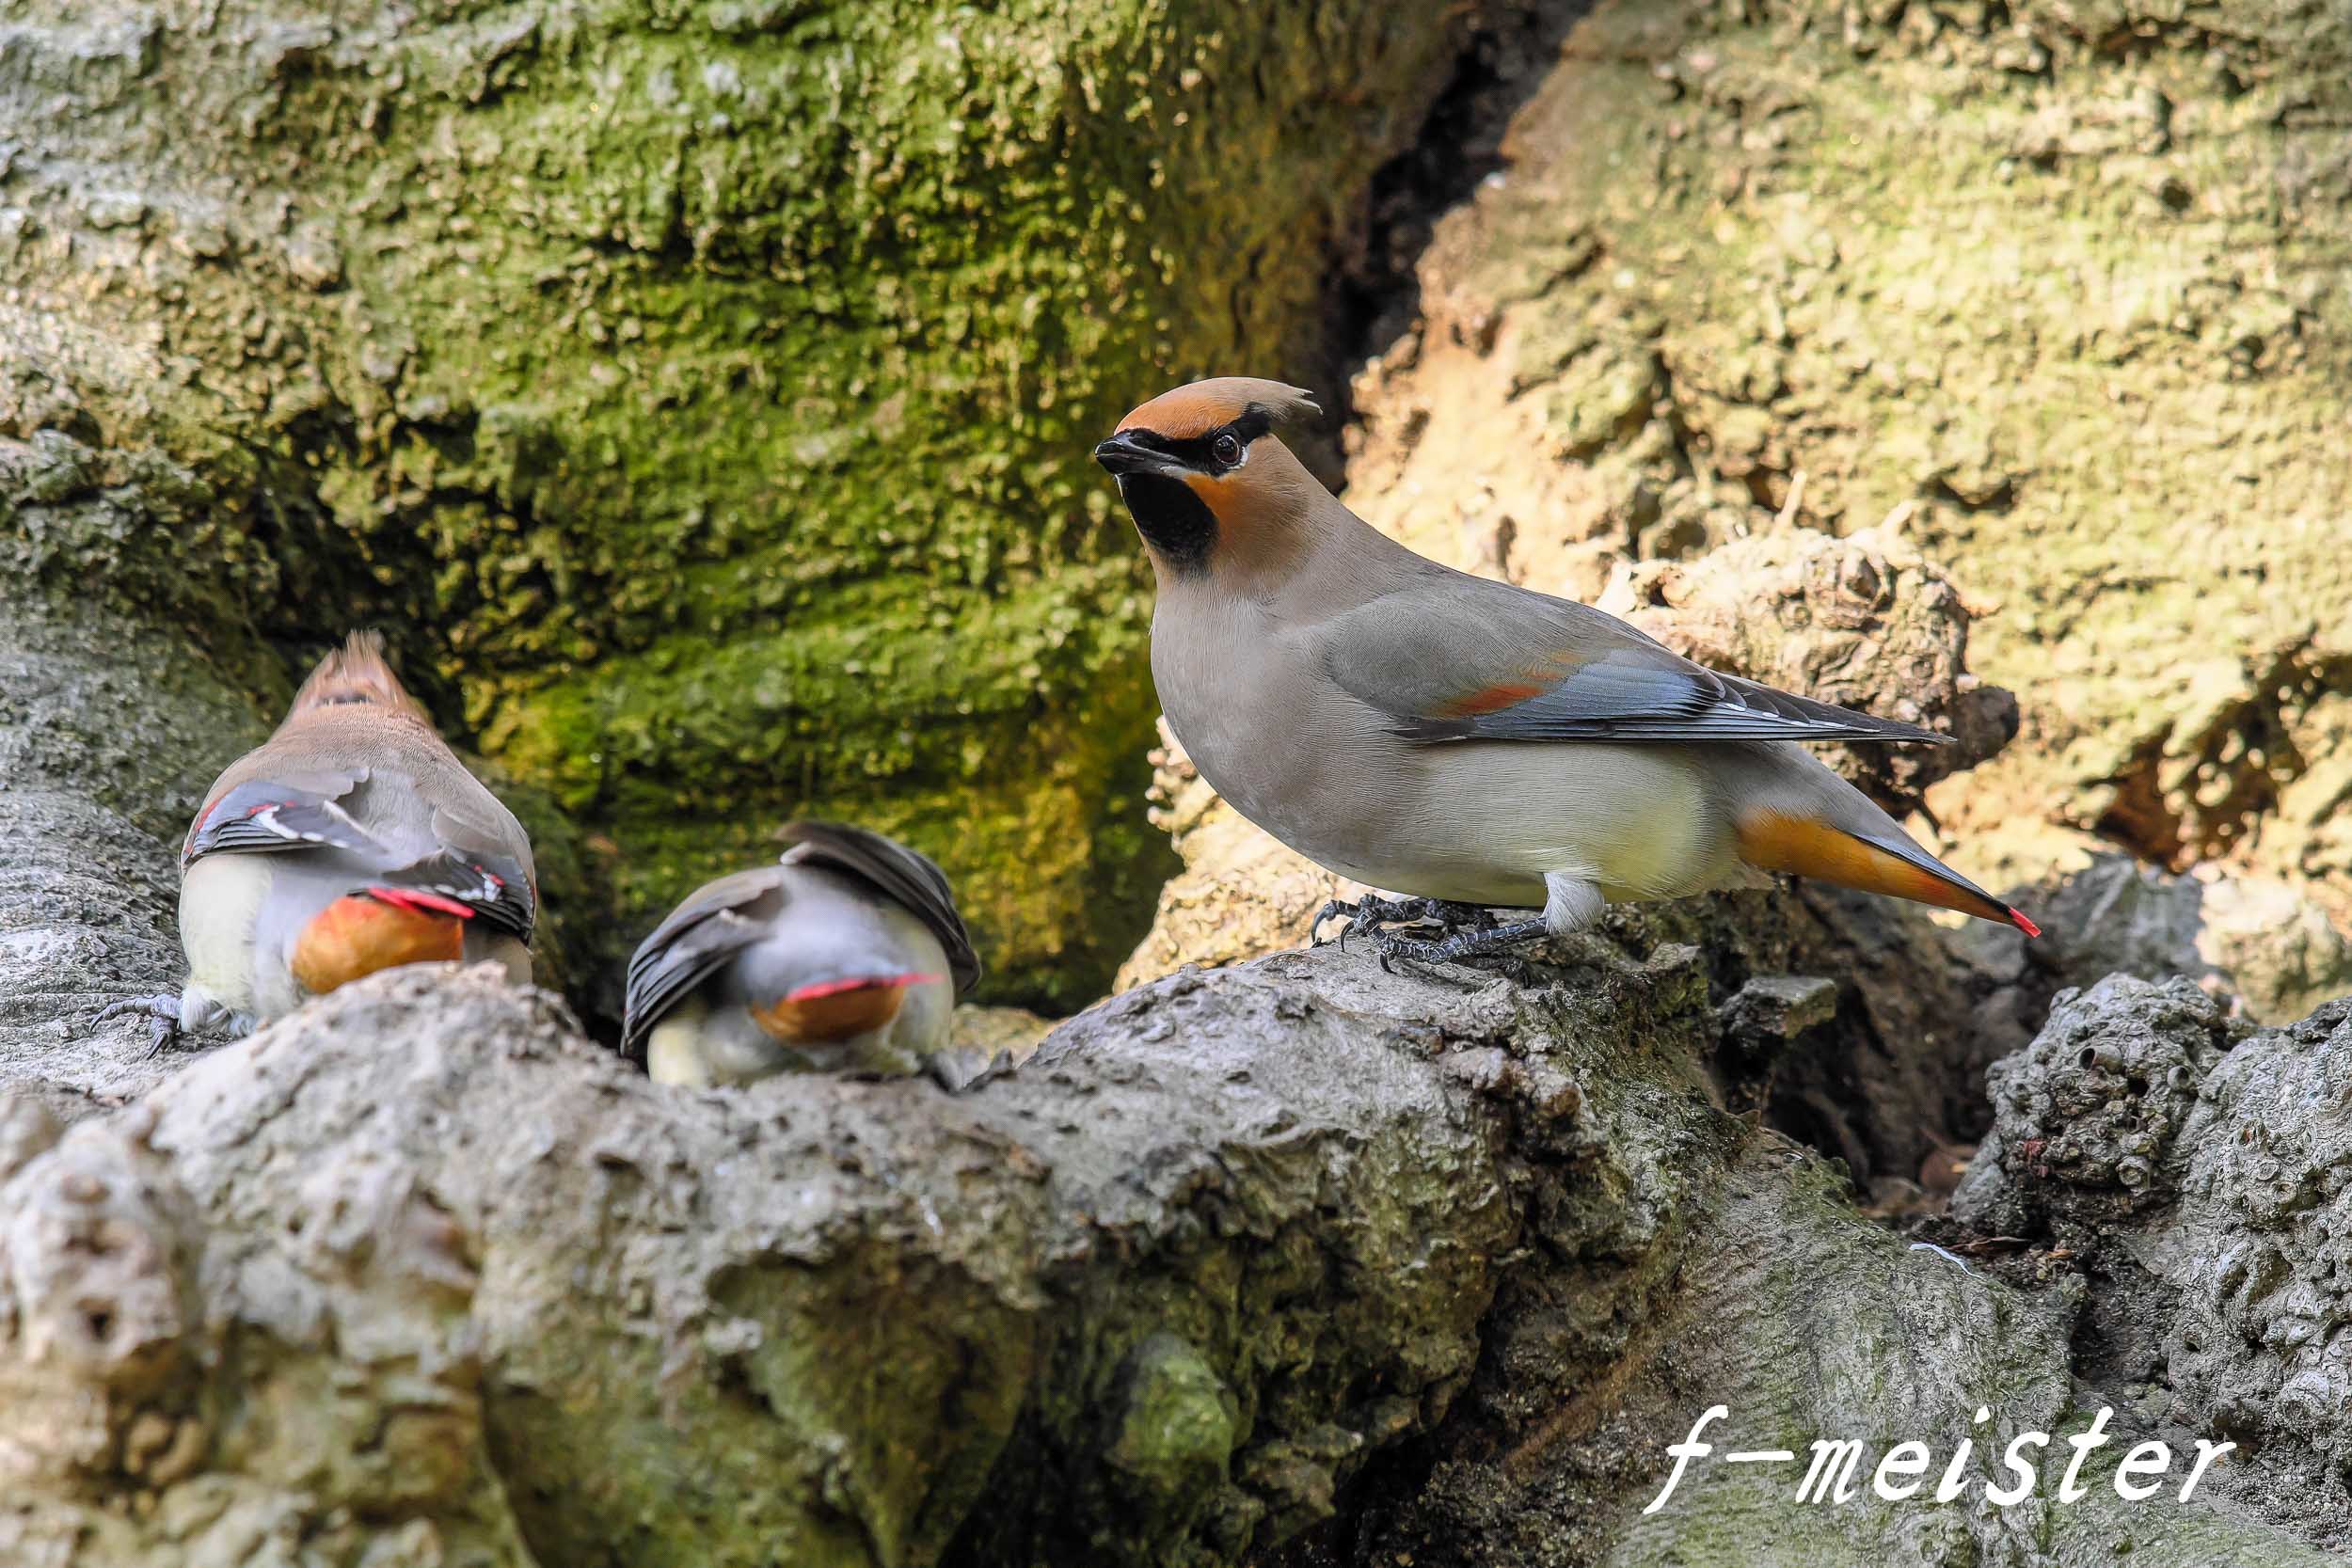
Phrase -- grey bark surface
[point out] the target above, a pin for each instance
(108, 730)
(419, 1276)
(2193, 1174)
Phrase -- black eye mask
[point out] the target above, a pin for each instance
(1199, 452)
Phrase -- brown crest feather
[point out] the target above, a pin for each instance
(1202, 406)
(356, 672)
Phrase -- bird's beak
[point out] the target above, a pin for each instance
(1123, 454)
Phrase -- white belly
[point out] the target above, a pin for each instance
(221, 907)
(1635, 821)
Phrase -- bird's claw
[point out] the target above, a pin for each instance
(1464, 931)
(1331, 908)
(1466, 943)
(1372, 912)
(161, 1012)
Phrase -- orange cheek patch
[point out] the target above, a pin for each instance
(1215, 491)
(358, 935)
(821, 1015)
(1222, 494)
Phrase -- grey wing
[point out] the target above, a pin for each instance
(279, 813)
(715, 923)
(487, 866)
(498, 889)
(1465, 658)
(906, 876)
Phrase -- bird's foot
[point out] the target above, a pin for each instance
(1490, 941)
(162, 1013)
(1368, 915)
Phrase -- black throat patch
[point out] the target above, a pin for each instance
(1172, 520)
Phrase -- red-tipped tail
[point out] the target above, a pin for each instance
(1807, 847)
(418, 901)
(819, 990)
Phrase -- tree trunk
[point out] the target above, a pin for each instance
(643, 372)
(1414, 1265)
(109, 731)
(2052, 285)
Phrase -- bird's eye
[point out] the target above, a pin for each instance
(1225, 447)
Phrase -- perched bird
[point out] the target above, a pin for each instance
(1463, 740)
(845, 956)
(353, 840)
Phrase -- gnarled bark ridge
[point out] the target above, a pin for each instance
(1435, 1264)
(1298, 1261)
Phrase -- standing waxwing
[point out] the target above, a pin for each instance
(846, 956)
(353, 840)
(1460, 740)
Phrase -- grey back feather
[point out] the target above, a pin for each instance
(724, 918)
(908, 877)
(1423, 653)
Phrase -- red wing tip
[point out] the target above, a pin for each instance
(864, 982)
(2017, 918)
(412, 900)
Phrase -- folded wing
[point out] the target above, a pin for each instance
(702, 934)
(1457, 657)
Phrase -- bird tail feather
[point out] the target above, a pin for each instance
(1807, 846)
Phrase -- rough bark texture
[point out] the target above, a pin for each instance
(600, 352)
(109, 732)
(2262, 944)
(2188, 1177)
(703, 396)
(419, 1276)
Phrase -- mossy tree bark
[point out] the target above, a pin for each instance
(700, 396)
(1300, 1256)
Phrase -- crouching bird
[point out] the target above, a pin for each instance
(845, 956)
(1462, 740)
(353, 840)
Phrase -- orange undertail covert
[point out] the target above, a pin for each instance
(1773, 840)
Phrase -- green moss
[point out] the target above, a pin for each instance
(1179, 1416)
(713, 389)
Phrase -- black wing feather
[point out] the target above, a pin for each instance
(699, 936)
(493, 886)
(907, 875)
(268, 816)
